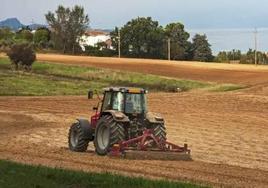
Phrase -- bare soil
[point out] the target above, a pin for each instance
(227, 133)
(214, 72)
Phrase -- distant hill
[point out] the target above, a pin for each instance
(12, 23)
(15, 24)
(36, 26)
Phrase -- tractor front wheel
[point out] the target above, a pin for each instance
(108, 133)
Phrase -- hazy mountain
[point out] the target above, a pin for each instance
(12, 23)
(36, 26)
(15, 24)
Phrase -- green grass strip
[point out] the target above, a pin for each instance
(57, 79)
(19, 175)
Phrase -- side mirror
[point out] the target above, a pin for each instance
(95, 108)
(90, 94)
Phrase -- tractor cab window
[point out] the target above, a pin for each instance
(113, 101)
(118, 101)
(107, 101)
(135, 103)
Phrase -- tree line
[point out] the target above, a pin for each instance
(145, 38)
(65, 27)
(141, 37)
(236, 56)
(39, 39)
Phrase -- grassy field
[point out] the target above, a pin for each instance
(19, 175)
(55, 79)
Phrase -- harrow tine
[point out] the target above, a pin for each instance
(156, 155)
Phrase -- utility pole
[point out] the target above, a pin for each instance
(169, 49)
(119, 43)
(255, 39)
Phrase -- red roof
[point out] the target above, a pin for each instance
(96, 33)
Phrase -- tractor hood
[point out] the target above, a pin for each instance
(154, 117)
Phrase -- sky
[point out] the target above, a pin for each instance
(106, 14)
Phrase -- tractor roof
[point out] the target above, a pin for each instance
(125, 89)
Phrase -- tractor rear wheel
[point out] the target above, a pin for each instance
(108, 133)
(159, 131)
(77, 139)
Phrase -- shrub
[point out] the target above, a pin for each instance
(96, 51)
(22, 55)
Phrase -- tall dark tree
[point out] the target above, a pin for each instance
(178, 40)
(77, 25)
(201, 48)
(141, 37)
(115, 37)
(67, 25)
(58, 23)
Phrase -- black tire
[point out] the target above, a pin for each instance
(77, 138)
(108, 133)
(160, 131)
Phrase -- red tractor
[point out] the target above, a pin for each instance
(122, 123)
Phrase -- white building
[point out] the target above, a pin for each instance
(93, 37)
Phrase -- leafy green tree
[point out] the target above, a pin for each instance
(24, 35)
(6, 39)
(262, 58)
(234, 55)
(41, 37)
(141, 37)
(227, 56)
(249, 57)
(201, 48)
(6, 34)
(68, 26)
(222, 57)
(178, 41)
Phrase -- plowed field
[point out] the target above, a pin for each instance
(227, 132)
(214, 72)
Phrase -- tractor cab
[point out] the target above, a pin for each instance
(126, 100)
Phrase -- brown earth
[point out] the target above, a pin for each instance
(227, 133)
(214, 72)
(255, 77)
